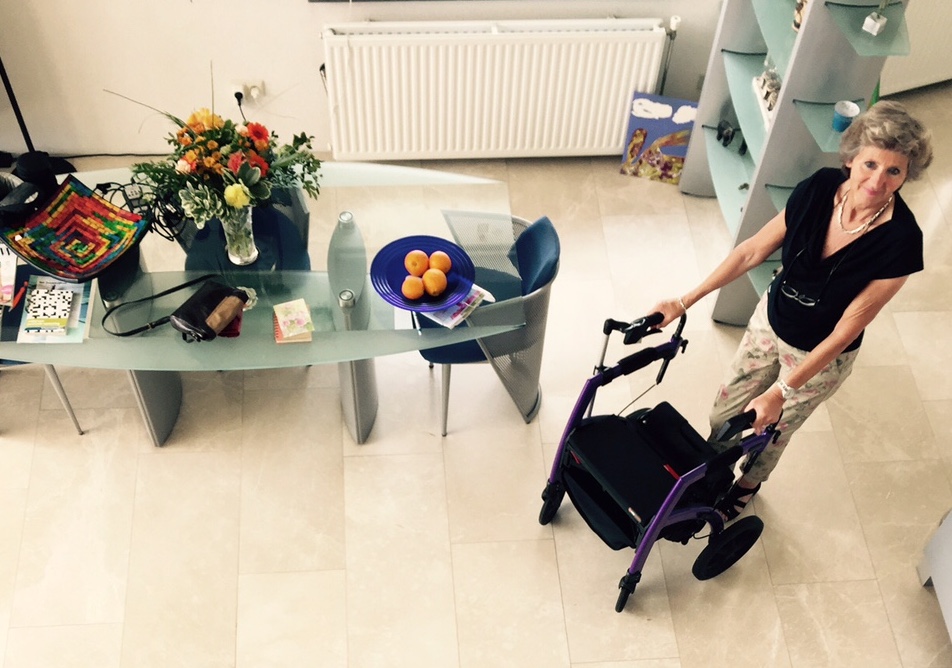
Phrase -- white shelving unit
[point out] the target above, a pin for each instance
(830, 58)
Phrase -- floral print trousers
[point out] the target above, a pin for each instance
(761, 358)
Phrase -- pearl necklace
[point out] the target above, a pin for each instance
(865, 226)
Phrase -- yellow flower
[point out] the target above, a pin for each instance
(206, 119)
(237, 195)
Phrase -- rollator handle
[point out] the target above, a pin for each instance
(736, 425)
(638, 329)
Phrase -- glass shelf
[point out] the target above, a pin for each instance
(775, 18)
(892, 41)
(779, 195)
(761, 275)
(741, 68)
(729, 172)
(818, 117)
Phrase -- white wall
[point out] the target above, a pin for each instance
(930, 58)
(62, 54)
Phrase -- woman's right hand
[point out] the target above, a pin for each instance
(671, 309)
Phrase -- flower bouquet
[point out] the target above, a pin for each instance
(221, 169)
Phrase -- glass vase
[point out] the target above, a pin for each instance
(239, 236)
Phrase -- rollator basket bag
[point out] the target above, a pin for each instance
(621, 469)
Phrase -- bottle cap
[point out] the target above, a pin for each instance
(345, 217)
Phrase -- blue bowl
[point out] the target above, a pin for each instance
(387, 272)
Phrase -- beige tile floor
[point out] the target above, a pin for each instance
(261, 535)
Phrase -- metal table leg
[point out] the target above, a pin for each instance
(159, 395)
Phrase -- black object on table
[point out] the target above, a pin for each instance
(279, 245)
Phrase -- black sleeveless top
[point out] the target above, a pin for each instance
(889, 250)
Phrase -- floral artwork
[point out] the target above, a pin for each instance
(658, 132)
(218, 167)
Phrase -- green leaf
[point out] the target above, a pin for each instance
(249, 175)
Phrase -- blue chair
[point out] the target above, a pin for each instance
(517, 355)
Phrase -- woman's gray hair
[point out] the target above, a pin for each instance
(888, 126)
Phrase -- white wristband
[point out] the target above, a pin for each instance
(786, 391)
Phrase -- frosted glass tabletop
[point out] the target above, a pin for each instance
(388, 203)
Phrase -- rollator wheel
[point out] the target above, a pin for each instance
(551, 500)
(626, 587)
(727, 547)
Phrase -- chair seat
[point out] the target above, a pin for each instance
(467, 352)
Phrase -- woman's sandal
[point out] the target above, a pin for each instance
(731, 505)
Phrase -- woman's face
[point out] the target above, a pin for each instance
(875, 174)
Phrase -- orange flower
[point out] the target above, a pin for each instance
(211, 144)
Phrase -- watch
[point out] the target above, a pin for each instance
(786, 391)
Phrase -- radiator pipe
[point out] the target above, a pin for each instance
(672, 32)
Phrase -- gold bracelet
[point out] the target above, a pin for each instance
(683, 307)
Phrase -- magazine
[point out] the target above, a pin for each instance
(457, 313)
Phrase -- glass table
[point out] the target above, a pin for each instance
(388, 202)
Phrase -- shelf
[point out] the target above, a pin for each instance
(892, 41)
(818, 117)
(816, 66)
(779, 195)
(741, 68)
(729, 171)
(775, 18)
(761, 275)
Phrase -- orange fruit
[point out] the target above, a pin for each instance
(434, 282)
(416, 262)
(412, 287)
(440, 260)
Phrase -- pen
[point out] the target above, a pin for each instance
(19, 295)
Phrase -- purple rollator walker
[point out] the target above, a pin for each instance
(649, 474)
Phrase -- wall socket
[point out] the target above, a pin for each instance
(250, 91)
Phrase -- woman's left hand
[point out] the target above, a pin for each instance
(768, 406)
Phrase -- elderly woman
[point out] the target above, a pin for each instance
(849, 242)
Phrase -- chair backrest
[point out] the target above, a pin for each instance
(538, 250)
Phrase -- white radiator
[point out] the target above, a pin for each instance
(484, 89)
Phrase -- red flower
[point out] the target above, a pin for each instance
(256, 160)
(234, 162)
(258, 132)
